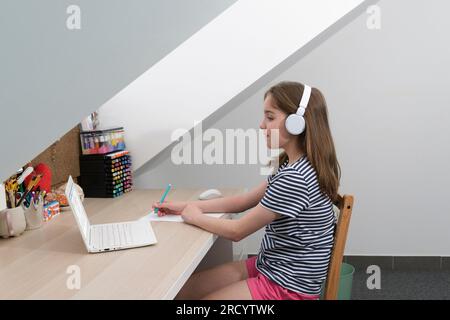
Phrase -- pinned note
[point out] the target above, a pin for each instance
(2, 197)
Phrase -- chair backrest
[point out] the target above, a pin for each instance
(345, 205)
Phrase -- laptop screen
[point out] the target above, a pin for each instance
(78, 209)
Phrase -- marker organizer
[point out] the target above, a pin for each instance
(106, 176)
(102, 141)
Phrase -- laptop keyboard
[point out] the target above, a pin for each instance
(113, 235)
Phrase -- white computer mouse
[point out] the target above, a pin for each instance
(210, 194)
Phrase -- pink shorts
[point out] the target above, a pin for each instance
(262, 288)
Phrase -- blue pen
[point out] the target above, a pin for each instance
(164, 196)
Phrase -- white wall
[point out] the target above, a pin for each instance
(388, 98)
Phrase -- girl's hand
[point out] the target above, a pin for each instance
(190, 213)
(169, 207)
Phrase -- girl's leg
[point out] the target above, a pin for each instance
(235, 291)
(205, 282)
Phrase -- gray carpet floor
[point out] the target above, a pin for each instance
(395, 285)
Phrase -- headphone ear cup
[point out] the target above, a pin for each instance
(295, 124)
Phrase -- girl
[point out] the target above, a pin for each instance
(294, 205)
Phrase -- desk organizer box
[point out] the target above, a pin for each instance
(105, 176)
(102, 141)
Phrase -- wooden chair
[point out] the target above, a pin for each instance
(345, 205)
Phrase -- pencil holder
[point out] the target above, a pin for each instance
(12, 222)
(34, 215)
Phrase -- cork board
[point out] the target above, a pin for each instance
(62, 157)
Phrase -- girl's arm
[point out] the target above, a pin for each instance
(233, 204)
(234, 230)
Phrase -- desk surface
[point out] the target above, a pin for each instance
(35, 264)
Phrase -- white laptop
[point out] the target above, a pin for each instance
(111, 236)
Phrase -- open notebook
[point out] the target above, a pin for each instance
(173, 217)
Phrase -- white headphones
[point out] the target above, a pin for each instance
(295, 123)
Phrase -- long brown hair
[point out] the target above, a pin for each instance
(316, 141)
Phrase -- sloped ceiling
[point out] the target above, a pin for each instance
(52, 77)
(213, 66)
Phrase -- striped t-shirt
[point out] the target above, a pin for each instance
(296, 248)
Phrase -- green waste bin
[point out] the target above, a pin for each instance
(345, 282)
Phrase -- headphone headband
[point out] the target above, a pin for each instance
(304, 101)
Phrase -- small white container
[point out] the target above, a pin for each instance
(34, 215)
(12, 222)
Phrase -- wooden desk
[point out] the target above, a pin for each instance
(34, 265)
